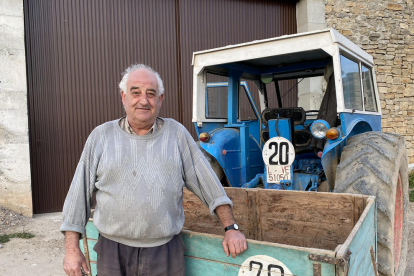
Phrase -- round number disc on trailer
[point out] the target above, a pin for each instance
(263, 265)
(278, 151)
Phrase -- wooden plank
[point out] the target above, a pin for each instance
(317, 242)
(253, 216)
(86, 253)
(240, 201)
(318, 235)
(310, 214)
(334, 225)
(305, 216)
(359, 206)
(199, 219)
(209, 247)
(274, 226)
(306, 200)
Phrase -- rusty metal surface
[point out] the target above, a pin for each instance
(76, 50)
(330, 260)
(317, 269)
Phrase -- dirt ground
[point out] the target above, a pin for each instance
(43, 254)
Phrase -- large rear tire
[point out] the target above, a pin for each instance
(375, 163)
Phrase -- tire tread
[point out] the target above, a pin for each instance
(369, 165)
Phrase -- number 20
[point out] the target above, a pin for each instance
(278, 148)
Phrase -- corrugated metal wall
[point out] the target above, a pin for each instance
(77, 49)
(216, 23)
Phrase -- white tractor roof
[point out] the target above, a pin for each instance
(287, 49)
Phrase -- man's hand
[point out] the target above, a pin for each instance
(234, 243)
(74, 259)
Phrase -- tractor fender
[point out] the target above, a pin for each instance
(333, 149)
(224, 146)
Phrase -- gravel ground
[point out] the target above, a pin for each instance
(43, 254)
(38, 256)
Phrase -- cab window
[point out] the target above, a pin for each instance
(216, 96)
(351, 82)
(246, 111)
(368, 86)
(216, 102)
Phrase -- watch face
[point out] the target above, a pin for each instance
(236, 227)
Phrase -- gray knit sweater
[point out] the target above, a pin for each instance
(139, 184)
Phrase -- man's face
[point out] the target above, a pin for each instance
(141, 100)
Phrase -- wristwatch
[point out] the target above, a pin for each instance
(231, 227)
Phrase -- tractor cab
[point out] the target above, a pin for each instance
(277, 112)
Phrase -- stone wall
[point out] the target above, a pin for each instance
(385, 29)
(15, 183)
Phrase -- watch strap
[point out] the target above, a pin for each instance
(231, 227)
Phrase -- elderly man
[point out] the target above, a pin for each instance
(138, 166)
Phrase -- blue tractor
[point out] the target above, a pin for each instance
(329, 140)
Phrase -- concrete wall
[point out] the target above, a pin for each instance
(310, 16)
(15, 183)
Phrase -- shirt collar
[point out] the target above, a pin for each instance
(152, 130)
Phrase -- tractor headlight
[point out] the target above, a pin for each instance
(319, 129)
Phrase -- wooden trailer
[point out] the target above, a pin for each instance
(288, 232)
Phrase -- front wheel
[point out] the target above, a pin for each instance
(375, 163)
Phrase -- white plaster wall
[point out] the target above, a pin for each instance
(310, 16)
(15, 183)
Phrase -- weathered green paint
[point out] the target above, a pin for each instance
(91, 231)
(209, 247)
(360, 261)
(200, 267)
(94, 271)
(92, 254)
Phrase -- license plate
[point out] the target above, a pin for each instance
(277, 173)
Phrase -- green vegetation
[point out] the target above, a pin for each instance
(22, 235)
(411, 185)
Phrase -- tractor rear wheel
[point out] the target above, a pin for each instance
(375, 163)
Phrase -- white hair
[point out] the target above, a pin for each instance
(123, 82)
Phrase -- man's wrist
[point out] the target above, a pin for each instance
(233, 226)
(72, 240)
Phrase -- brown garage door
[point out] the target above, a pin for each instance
(76, 50)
